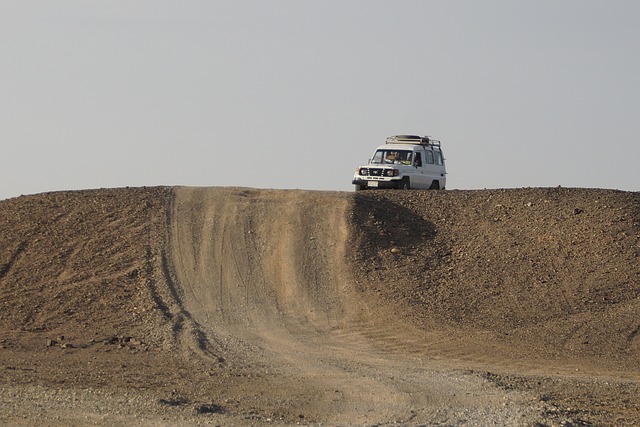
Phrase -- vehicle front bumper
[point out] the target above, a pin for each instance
(392, 183)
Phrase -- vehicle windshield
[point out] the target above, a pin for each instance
(398, 157)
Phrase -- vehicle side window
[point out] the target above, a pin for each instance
(430, 157)
(438, 156)
(418, 160)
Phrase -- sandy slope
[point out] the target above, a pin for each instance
(264, 275)
(240, 306)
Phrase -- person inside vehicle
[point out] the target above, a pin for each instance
(390, 157)
(405, 157)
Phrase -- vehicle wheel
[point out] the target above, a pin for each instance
(360, 187)
(405, 184)
(435, 185)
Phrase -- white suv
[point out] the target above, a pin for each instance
(405, 161)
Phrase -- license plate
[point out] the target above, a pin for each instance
(372, 183)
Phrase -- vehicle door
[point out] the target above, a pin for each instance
(439, 168)
(432, 170)
(418, 176)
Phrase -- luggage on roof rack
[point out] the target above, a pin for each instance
(412, 139)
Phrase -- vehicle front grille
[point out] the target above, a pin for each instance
(371, 172)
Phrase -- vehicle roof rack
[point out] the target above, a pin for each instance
(413, 139)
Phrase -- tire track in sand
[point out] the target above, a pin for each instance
(264, 274)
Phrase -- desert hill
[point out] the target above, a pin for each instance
(238, 306)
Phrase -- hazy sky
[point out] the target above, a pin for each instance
(296, 94)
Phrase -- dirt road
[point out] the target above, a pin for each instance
(263, 273)
(238, 306)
